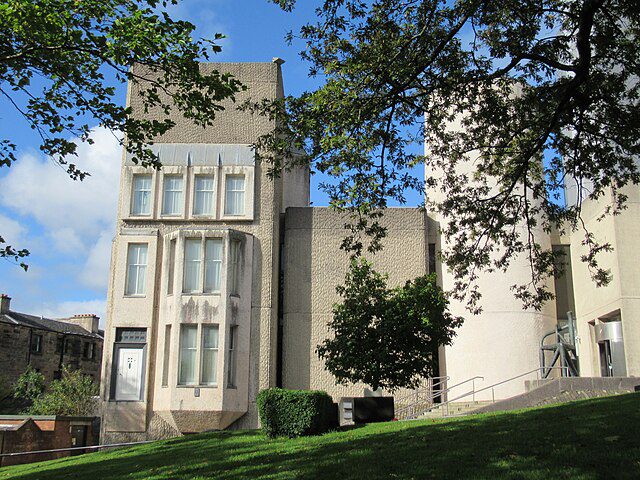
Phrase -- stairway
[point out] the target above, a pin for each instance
(454, 409)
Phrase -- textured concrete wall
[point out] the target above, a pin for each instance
(314, 265)
(622, 295)
(503, 341)
(166, 410)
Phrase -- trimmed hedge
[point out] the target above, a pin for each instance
(295, 413)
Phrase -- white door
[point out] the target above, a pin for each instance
(129, 379)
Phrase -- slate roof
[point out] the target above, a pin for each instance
(48, 324)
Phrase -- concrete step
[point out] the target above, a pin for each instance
(454, 409)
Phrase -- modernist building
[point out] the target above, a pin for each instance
(46, 344)
(222, 281)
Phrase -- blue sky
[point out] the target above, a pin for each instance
(68, 226)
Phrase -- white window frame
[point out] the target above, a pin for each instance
(227, 191)
(137, 291)
(164, 195)
(202, 265)
(212, 192)
(235, 252)
(215, 350)
(184, 327)
(134, 178)
(232, 368)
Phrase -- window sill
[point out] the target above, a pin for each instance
(197, 386)
(200, 294)
(134, 296)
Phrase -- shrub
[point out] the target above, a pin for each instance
(295, 413)
(73, 395)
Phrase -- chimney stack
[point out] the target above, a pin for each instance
(5, 303)
(88, 321)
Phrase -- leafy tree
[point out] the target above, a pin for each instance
(386, 338)
(60, 61)
(524, 79)
(73, 395)
(29, 386)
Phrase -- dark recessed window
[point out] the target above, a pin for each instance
(36, 344)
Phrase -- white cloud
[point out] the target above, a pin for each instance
(75, 211)
(95, 273)
(77, 217)
(70, 308)
(11, 231)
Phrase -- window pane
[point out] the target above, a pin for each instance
(234, 195)
(172, 263)
(203, 195)
(209, 354)
(192, 262)
(235, 267)
(166, 356)
(188, 349)
(136, 269)
(213, 265)
(141, 195)
(233, 340)
(172, 199)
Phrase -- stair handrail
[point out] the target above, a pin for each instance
(492, 386)
(440, 393)
(432, 381)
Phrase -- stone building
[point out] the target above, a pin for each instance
(47, 344)
(222, 281)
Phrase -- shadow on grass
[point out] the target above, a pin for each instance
(586, 440)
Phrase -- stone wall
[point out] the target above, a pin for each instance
(16, 354)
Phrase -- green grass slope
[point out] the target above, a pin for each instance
(590, 439)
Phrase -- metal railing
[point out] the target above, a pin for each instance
(70, 449)
(416, 409)
(420, 398)
(493, 386)
(424, 405)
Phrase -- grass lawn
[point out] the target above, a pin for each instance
(583, 440)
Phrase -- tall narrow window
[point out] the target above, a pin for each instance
(136, 269)
(172, 198)
(192, 265)
(213, 265)
(141, 198)
(166, 355)
(188, 351)
(234, 195)
(235, 267)
(432, 258)
(209, 355)
(172, 263)
(203, 195)
(233, 345)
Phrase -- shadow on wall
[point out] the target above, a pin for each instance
(582, 440)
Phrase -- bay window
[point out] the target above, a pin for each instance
(209, 368)
(188, 352)
(192, 264)
(198, 251)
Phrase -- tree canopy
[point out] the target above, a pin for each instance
(524, 79)
(60, 62)
(387, 338)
